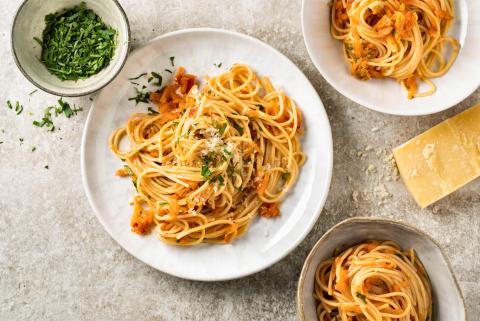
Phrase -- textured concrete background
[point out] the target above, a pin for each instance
(57, 262)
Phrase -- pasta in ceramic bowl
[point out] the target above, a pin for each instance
(395, 56)
(375, 269)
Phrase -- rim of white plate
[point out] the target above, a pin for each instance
(471, 24)
(319, 206)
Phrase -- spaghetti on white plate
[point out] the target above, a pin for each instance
(374, 281)
(401, 39)
(211, 159)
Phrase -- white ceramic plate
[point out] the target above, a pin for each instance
(268, 240)
(386, 95)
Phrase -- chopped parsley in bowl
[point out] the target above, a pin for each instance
(76, 43)
(68, 47)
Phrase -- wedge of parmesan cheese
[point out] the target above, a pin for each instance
(442, 159)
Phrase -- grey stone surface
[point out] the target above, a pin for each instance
(57, 262)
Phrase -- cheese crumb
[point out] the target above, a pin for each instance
(355, 195)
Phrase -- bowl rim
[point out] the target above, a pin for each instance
(364, 219)
(359, 100)
(58, 93)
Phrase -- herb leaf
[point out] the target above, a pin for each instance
(227, 152)
(139, 76)
(66, 109)
(362, 297)
(158, 77)
(221, 128)
(18, 107)
(141, 97)
(238, 128)
(128, 170)
(206, 173)
(151, 111)
(172, 61)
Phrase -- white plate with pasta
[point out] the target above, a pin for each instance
(235, 158)
(397, 49)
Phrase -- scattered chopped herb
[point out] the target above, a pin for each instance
(151, 111)
(135, 83)
(172, 61)
(31, 93)
(18, 107)
(63, 108)
(141, 97)
(90, 98)
(30, 113)
(76, 43)
(21, 141)
(158, 77)
(66, 109)
(134, 182)
(169, 71)
(361, 297)
(139, 76)
(238, 128)
(286, 176)
(218, 65)
(128, 170)
(206, 173)
(34, 148)
(230, 171)
(221, 180)
(221, 128)
(227, 152)
(162, 203)
(46, 166)
(1, 142)
(46, 121)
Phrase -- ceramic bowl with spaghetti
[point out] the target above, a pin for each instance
(70, 47)
(395, 56)
(374, 269)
